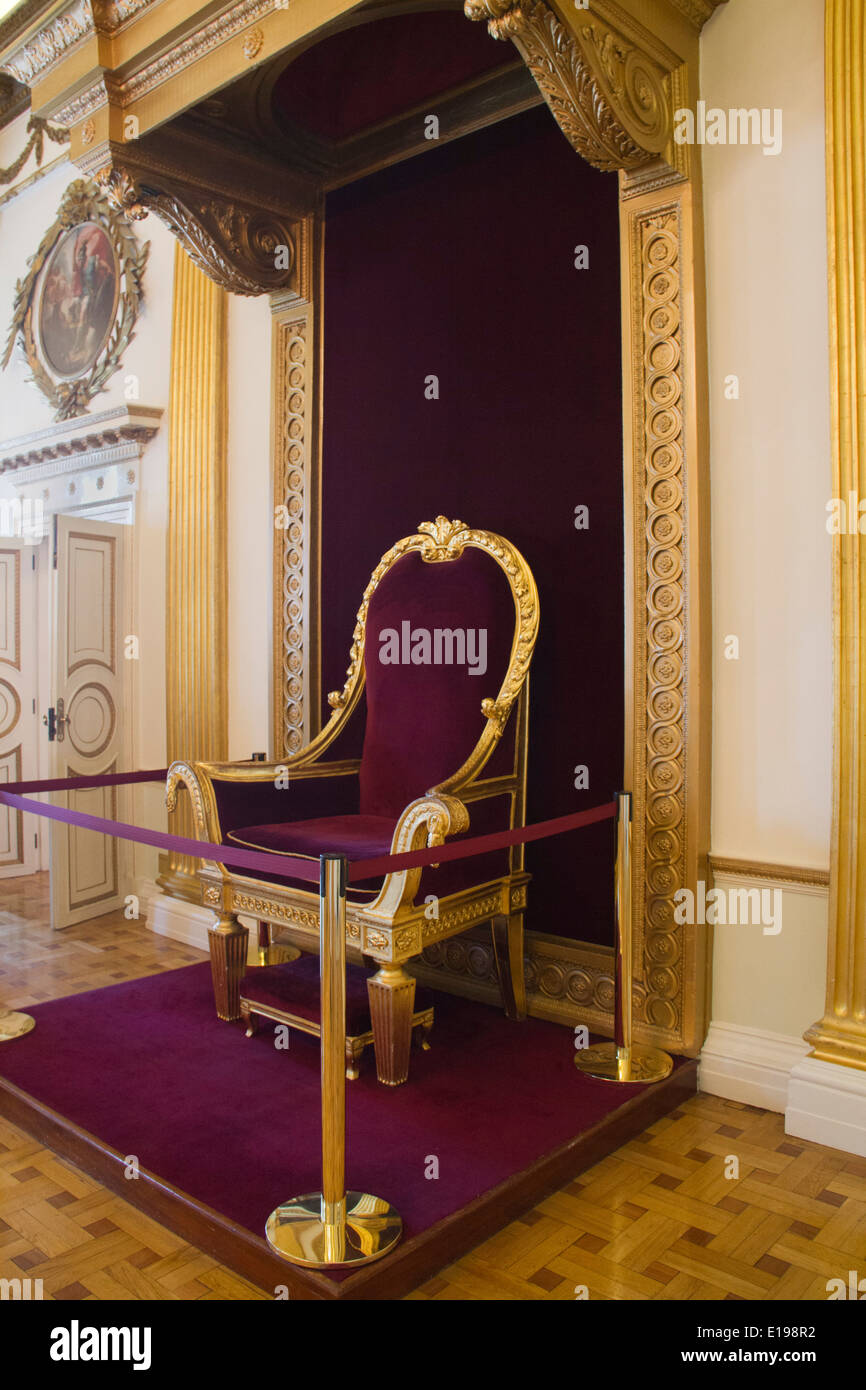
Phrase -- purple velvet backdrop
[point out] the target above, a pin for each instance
(460, 263)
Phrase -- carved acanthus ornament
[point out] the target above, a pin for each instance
(238, 247)
(121, 192)
(246, 250)
(609, 98)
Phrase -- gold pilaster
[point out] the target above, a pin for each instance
(840, 1036)
(196, 672)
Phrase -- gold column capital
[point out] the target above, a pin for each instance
(840, 1036)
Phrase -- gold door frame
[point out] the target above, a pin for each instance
(612, 74)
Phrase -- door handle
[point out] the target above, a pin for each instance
(56, 721)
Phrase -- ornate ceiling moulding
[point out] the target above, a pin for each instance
(87, 102)
(608, 96)
(111, 15)
(39, 53)
(244, 248)
(224, 28)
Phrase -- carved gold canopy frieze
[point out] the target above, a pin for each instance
(132, 81)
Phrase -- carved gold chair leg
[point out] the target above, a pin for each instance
(422, 1035)
(227, 939)
(249, 1018)
(392, 1003)
(507, 935)
(353, 1059)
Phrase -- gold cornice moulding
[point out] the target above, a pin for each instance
(44, 46)
(238, 21)
(608, 95)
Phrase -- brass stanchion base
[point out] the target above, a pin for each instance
(297, 1232)
(14, 1025)
(607, 1062)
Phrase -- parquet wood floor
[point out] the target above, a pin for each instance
(658, 1219)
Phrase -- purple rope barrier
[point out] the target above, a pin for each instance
(267, 861)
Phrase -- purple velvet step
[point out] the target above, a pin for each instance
(293, 988)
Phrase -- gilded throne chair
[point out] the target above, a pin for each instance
(439, 679)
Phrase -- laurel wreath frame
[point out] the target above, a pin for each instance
(81, 202)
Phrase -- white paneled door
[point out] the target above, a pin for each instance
(18, 718)
(86, 719)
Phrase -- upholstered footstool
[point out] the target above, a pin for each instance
(289, 993)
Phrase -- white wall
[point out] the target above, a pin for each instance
(23, 222)
(770, 481)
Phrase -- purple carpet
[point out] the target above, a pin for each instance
(148, 1068)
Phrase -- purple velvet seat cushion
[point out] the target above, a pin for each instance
(358, 837)
(423, 720)
(293, 988)
(370, 837)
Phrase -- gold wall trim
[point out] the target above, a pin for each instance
(196, 540)
(840, 1036)
(566, 982)
(787, 875)
(292, 347)
(295, 445)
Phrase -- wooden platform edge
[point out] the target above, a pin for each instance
(412, 1263)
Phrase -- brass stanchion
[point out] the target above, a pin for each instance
(622, 1059)
(333, 1227)
(14, 1025)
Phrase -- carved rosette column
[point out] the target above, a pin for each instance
(666, 527)
(196, 656)
(296, 438)
(295, 561)
(840, 1036)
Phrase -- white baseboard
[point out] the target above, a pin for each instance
(176, 918)
(827, 1104)
(184, 921)
(749, 1065)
